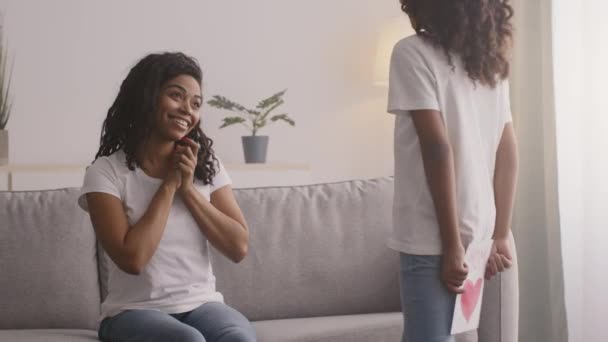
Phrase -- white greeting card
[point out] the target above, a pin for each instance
(468, 304)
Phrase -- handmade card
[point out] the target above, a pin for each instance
(468, 304)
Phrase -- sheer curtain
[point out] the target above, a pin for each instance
(536, 222)
(560, 104)
(580, 32)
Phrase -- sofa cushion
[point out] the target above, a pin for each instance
(48, 335)
(314, 250)
(384, 327)
(48, 262)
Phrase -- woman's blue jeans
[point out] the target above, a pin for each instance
(210, 322)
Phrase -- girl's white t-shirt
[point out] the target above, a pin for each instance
(474, 116)
(179, 276)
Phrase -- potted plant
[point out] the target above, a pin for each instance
(5, 103)
(254, 146)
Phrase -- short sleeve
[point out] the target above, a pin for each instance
(506, 115)
(221, 178)
(99, 177)
(412, 84)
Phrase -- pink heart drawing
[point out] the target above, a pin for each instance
(470, 297)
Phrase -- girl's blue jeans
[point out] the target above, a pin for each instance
(426, 303)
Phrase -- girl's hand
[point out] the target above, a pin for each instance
(501, 258)
(186, 160)
(454, 270)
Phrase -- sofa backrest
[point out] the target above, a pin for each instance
(48, 263)
(314, 251)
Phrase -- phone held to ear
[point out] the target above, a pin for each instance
(182, 142)
(193, 134)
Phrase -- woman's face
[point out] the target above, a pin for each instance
(179, 105)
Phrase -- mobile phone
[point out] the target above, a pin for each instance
(193, 134)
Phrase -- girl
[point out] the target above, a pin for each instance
(455, 153)
(157, 194)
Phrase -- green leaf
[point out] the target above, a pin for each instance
(253, 112)
(5, 103)
(232, 120)
(266, 103)
(5, 82)
(272, 108)
(222, 102)
(283, 117)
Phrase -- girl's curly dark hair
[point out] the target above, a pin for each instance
(131, 117)
(479, 31)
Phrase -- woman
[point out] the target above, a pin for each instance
(157, 194)
(455, 153)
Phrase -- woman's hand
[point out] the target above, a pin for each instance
(186, 160)
(173, 179)
(501, 258)
(454, 270)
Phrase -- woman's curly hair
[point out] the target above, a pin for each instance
(479, 31)
(130, 119)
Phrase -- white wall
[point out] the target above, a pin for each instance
(71, 55)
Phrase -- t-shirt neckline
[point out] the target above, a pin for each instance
(139, 171)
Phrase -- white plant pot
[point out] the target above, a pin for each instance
(3, 147)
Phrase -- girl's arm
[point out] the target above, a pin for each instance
(221, 220)
(438, 160)
(505, 180)
(130, 247)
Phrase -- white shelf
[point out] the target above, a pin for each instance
(49, 176)
(270, 166)
(38, 176)
(267, 174)
(42, 168)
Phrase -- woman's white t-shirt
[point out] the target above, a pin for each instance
(178, 277)
(474, 116)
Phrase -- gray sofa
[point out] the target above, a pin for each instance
(317, 269)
